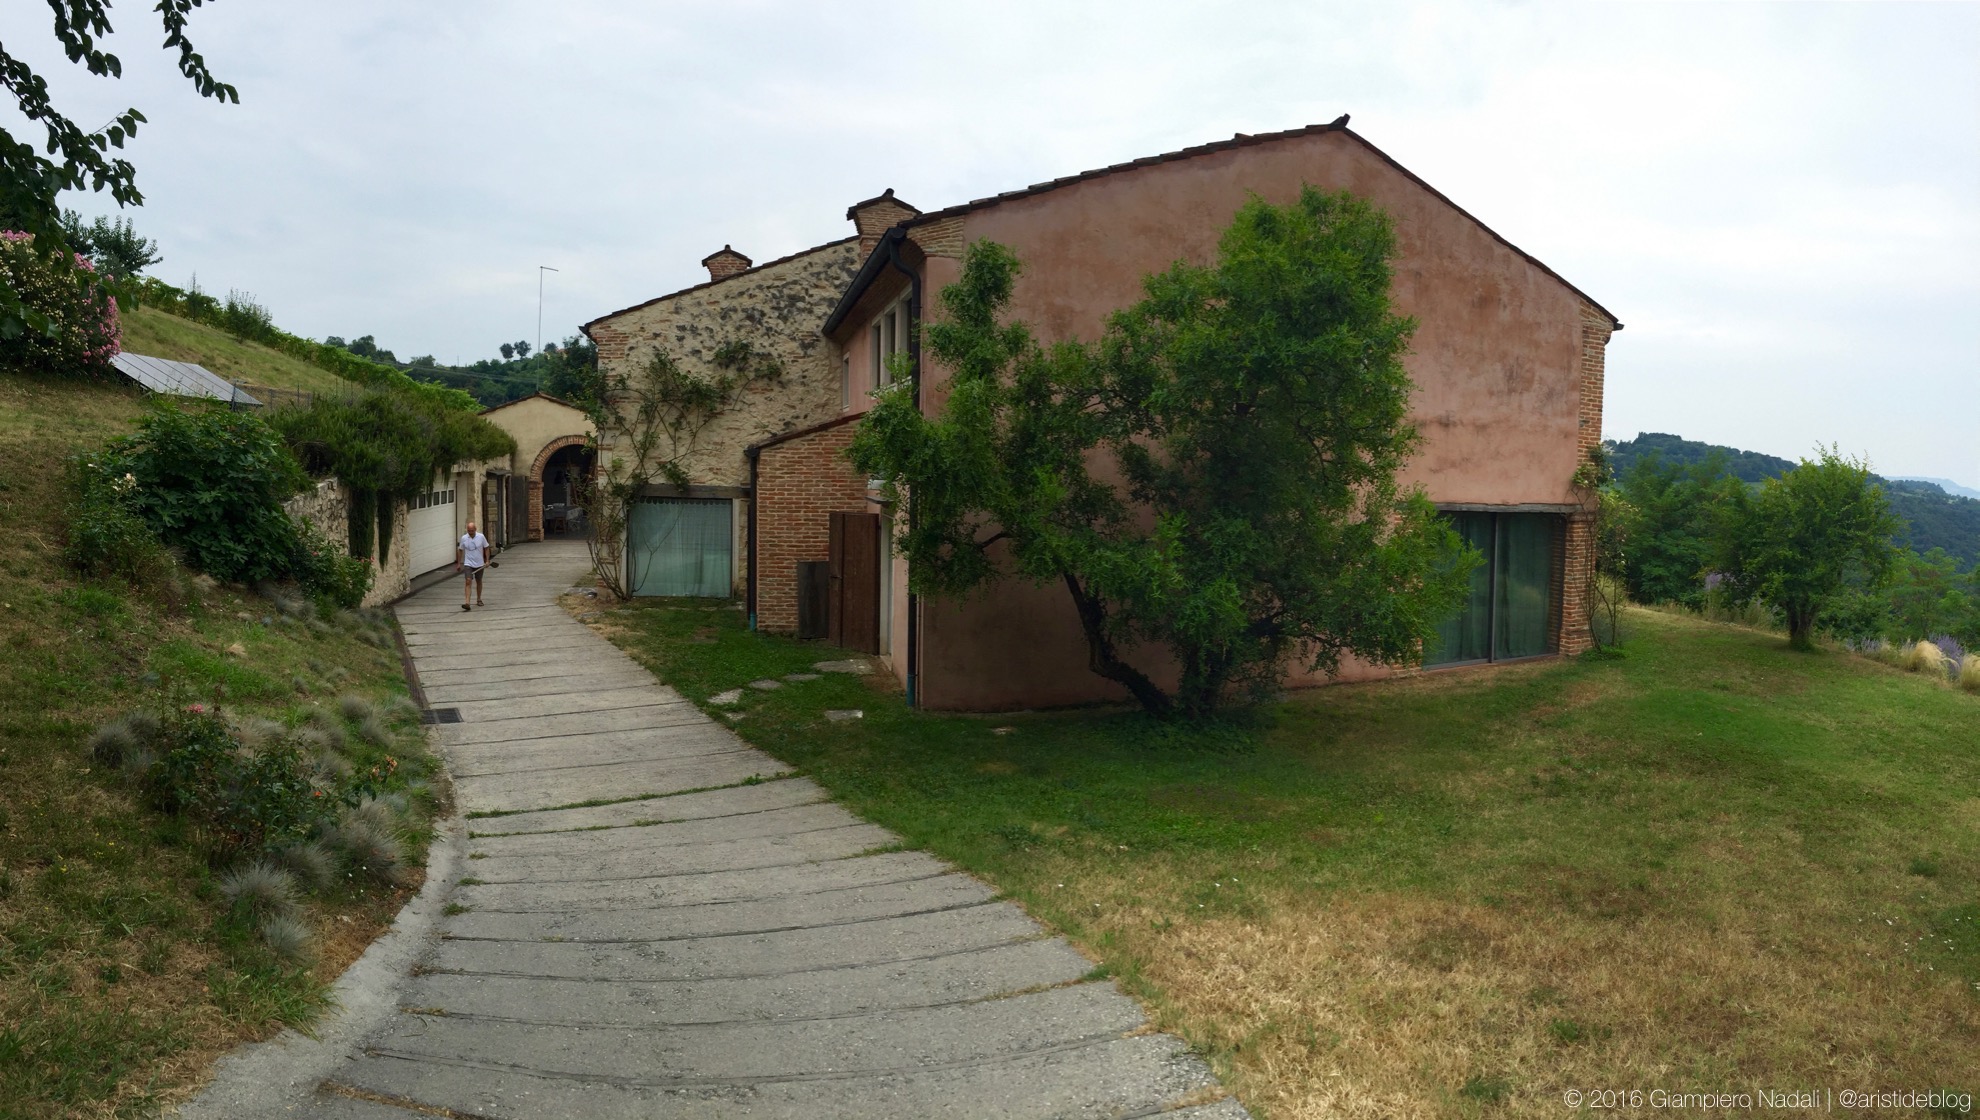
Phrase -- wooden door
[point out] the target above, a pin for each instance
(854, 614)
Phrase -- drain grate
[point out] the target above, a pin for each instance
(440, 715)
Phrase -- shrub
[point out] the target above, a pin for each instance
(1969, 672)
(107, 537)
(327, 572)
(244, 318)
(246, 800)
(212, 484)
(80, 333)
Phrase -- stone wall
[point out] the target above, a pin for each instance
(777, 307)
(799, 483)
(327, 508)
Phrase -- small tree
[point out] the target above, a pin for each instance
(1805, 537)
(522, 349)
(508, 350)
(648, 425)
(1256, 413)
(113, 245)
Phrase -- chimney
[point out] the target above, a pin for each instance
(876, 216)
(724, 263)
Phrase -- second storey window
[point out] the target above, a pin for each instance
(888, 337)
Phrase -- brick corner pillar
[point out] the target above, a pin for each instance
(1578, 563)
(1578, 586)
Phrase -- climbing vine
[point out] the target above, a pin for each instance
(648, 425)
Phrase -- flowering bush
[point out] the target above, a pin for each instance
(82, 334)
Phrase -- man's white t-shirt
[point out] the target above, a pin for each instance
(474, 550)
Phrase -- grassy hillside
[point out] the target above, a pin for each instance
(1714, 864)
(122, 972)
(1933, 517)
(162, 335)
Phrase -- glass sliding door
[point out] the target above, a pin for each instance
(1510, 612)
(680, 547)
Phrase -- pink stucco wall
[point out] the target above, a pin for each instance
(1497, 362)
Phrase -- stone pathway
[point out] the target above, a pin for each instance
(749, 949)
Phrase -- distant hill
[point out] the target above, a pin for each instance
(1934, 517)
(1946, 484)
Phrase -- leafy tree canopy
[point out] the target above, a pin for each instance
(76, 158)
(1807, 537)
(112, 244)
(392, 441)
(1216, 475)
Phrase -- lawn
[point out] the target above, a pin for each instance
(162, 335)
(1713, 864)
(121, 974)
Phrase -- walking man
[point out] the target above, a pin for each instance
(471, 557)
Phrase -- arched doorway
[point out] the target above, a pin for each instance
(557, 487)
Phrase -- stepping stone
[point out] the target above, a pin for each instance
(800, 676)
(767, 685)
(733, 696)
(853, 666)
(840, 715)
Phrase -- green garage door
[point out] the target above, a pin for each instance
(681, 546)
(1511, 610)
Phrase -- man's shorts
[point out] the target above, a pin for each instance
(474, 573)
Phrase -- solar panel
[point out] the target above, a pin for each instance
(181, 379)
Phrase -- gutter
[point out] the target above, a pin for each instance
(753, 454)
(891, 242)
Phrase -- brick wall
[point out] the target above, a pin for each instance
(1578, 566)
(798, 484)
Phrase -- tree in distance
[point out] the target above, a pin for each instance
(1216, 475)
(1805, 538)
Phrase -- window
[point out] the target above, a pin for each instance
(845, 383)
(887, 337)
(1512, 609)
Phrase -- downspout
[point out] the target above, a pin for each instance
(893, 242)
(753, 453)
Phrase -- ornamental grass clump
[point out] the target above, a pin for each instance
(262, 888)
(122, 739)
(1924, 657)
(1969, 672)
(355, 708)
(369, 846)
(312, 863)
(289, 939)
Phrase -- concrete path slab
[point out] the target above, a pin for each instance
(647, 917)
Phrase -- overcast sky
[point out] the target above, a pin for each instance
(1781, 201)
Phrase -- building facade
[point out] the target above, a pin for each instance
(1507, 361)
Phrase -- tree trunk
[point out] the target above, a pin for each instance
(1801, 626)
(1100, 655)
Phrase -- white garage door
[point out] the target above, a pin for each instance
(430, 532)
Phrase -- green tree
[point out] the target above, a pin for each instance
(113, 245)
(508, 350)
(75, 158)
(522, 349)
(1930, 596)
(573, 373)
(1254, 415)
(1805, 539)
(1673, 519)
